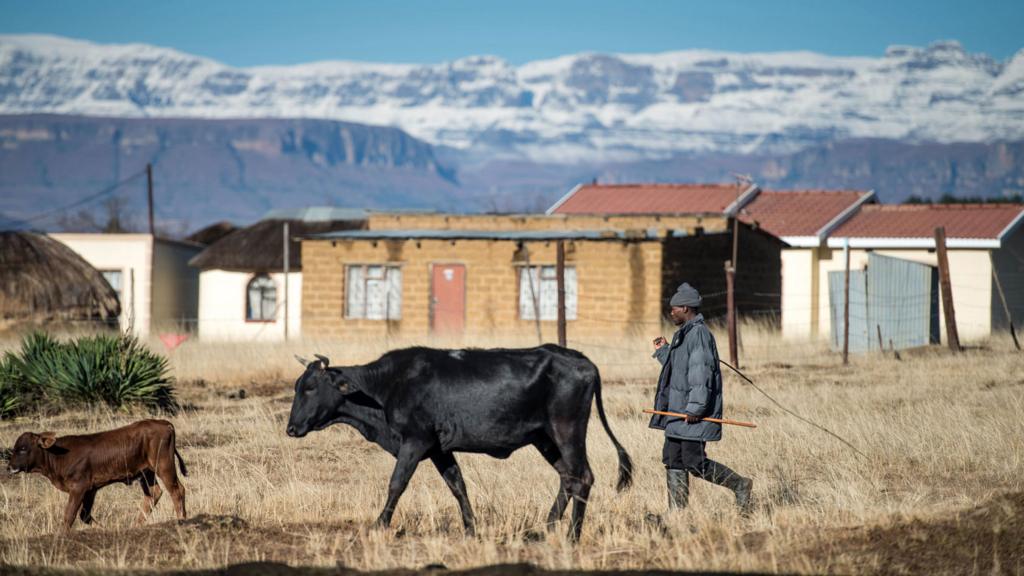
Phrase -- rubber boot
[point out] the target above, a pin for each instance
(742, 487)
(678, 488)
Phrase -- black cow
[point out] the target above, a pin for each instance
(421, 403)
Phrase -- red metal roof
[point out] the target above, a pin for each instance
(781, 213)
(798, 212)
(983, 221)
(649, 199)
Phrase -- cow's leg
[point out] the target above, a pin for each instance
(75, 498)
(409, 456)
(87, 501)
(550, 452)
(169, 477)
(452, 474)
(151, 493)
(571, 440)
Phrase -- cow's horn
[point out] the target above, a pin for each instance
(302, 360)
(323, 359)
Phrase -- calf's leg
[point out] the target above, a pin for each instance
(151, 493)
(409, 456)
(75, 498)
(452, 474)
(169, 477)
(87, 501)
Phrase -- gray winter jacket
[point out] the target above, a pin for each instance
(690, 382)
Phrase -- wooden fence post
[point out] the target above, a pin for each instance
(560, 280)
(149, 197)
(1002, 298)
(285, 258)
(846, 303)
(952, 336)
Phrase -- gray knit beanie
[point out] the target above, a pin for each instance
(686, 295)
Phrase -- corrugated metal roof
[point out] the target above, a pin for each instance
(798, 212)
(973, 221)
(316, 214)
(490, 235)
(779, 212)
(649, 199)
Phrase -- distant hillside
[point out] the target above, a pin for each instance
(211, 170)
(207, 170)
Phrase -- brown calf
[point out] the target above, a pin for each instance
(81, 465)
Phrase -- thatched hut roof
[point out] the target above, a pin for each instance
(212, 233)
(43, 280)
(259, 248)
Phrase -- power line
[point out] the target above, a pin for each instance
(86, 200)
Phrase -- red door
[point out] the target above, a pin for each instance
(448, 298)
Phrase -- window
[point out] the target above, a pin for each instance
(261, 299)
(373, 292)
(113, 277)
(540, 282)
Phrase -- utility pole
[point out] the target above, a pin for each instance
(846, 303)
(730, 314)
(149, 195)
(285, 231)
(952, 336)
(560, 280)
(730, 285)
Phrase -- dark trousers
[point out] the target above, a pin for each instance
(689, 455)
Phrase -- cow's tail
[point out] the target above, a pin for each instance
(181, 463)
(625, 462)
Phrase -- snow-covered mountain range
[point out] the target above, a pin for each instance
(589, 107)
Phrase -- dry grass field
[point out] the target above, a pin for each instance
(941, 489)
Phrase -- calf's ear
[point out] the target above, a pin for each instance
(46, 439)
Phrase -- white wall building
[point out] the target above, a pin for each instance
(244, 293)
(157, 289)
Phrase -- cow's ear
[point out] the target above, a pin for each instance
(346, 387)
(46, 440)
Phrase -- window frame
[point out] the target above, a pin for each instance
(245, 311)
(364, 266)
(569, 317)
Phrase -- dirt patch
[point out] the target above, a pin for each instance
(277, 569)
(986, 539)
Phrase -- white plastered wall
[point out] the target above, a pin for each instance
(132, 255)
(222, 302)
(799, 267)
(970, 274)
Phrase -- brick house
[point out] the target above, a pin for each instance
(414, 275)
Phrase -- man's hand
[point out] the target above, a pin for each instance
(659, 342)
(691, 419)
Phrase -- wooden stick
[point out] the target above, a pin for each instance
(715, 420)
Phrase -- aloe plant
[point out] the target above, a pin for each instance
(105, 369)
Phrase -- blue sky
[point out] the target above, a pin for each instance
(254, 32)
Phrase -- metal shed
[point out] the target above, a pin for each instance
(893, 299)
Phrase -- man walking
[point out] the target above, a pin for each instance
(691, 383)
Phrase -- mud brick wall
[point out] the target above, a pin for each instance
(618, 282)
